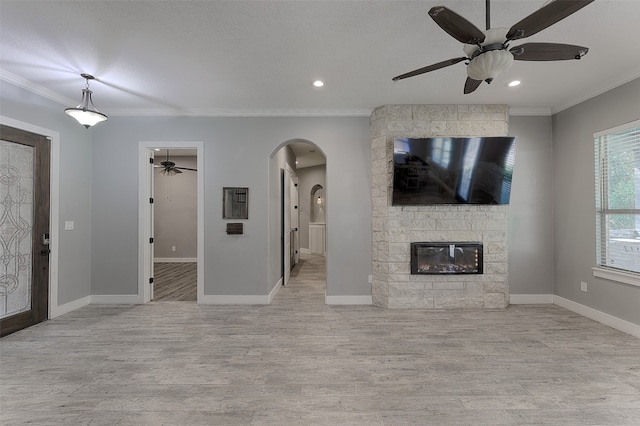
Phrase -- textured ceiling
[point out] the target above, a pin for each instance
(260, 57)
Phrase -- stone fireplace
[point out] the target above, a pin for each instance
(395, 228)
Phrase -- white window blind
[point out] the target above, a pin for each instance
(617, 154)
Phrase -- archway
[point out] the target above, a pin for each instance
(296, 167)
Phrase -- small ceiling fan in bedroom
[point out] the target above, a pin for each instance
(488, 52)
(169, 168)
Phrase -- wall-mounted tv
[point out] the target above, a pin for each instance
(469, 170)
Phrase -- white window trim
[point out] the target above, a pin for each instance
(616, 129)
(618, 276)
(624, 277)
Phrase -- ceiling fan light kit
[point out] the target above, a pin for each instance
(86, 112)
(488, 53)
(169, 167)
(489, 59)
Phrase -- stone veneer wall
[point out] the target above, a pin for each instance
(395, 227)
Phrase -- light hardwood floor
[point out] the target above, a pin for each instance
(301, 362)
(175, 281)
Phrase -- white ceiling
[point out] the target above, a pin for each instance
(258, 58)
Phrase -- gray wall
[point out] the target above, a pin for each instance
(175, 210)
(531, 207)
(309, 177)
(237, 152)
(102, 250)
(574, 201)
(74, 261)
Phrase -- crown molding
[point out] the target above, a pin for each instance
(599, 90)
(529, 111)
(16, 80)
(206, 112)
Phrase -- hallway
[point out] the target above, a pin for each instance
(307, 282)
(300, 362)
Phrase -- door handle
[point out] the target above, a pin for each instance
(45, 252)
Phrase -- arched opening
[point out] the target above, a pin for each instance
(298, 181)
(316, 204)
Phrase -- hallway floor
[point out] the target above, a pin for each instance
(301, 362)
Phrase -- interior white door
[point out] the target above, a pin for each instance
(295, 221)
(286, 227)
(151, 232)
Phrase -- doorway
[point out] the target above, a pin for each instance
(172, 247)
(24, 228)
(301, 166)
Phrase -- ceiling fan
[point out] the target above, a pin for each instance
(169, 168)
(488, 52)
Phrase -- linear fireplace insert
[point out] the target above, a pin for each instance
(446, 258)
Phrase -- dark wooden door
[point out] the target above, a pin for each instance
(24, 229)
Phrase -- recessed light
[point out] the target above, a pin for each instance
(514, 83)
(318, 83)
(156, 149)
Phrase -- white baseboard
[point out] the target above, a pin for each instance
(531, 299)
(70, 306)
(348, 300)
(601, 317)
(175, 259)
(275, 290)
(213, 299)
(116, 299)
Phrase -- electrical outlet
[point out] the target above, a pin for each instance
(173, 248)
(583, 286)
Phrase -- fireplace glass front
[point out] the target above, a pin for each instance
(446, 258)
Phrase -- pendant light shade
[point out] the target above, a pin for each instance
(86, 113)
(489, 59)
(489, 65)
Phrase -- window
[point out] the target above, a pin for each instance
(617, 154)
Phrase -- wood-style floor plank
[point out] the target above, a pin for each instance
(175, 281)
(300, 362)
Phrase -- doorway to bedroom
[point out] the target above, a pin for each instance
(175, 234)
(171, 222)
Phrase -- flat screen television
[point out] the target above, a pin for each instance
(469, 170)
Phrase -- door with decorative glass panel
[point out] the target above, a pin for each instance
(24, 229)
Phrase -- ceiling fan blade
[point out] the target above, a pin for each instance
(545, 17)
(470, 85)
(547, 52)
(430, 68)
(456, 26)
(187, 168)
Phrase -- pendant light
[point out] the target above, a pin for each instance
(86, 112)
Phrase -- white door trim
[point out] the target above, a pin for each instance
(144, 260)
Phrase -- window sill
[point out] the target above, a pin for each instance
(618, 276)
